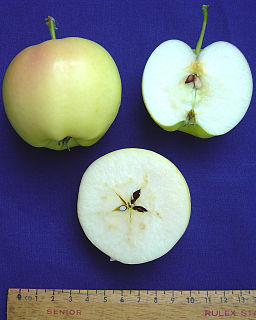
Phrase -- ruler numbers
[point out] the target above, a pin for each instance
(45, 304)
(139, 296)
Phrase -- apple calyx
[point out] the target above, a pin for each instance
(64, 143)
(130, 205)
(50, 22)
(191, 117)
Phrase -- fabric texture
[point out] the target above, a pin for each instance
(42, 243)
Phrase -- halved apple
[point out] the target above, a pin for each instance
(133, 205)
(202, 92)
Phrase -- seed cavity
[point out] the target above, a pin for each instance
(135, 196)
(121, 199)
(194, 81)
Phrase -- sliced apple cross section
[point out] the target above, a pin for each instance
(133, 205)
(201, 92)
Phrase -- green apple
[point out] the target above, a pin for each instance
(201, 92)
(62, 93)
(133, 204)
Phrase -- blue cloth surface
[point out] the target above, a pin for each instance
(41, 242)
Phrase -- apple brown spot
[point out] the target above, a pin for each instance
(112, 226)
(159, 216)
(142, 226)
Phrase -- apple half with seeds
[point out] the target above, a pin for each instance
(134, 205)
(201, 92)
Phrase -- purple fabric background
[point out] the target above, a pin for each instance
(42, 243)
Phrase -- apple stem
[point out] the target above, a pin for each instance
(50, 22)
(201, 37)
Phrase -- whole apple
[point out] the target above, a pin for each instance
(62, 93)
(203, 92)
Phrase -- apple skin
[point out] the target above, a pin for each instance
(192, 129)
(65, 88)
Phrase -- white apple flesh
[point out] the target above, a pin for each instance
(211, 108)
(62, 93)
(133, 204)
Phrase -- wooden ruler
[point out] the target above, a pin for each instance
(37, 304)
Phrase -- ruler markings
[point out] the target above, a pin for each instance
(204, 303)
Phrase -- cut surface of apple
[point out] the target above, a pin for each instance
(133, 204)
(212, 102)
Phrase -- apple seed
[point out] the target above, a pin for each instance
(140, 209)
(197, 82)
(194, 80)
(135, 196)
(190, 78)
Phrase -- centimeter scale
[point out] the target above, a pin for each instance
(37, 304)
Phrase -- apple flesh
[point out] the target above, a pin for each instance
(211, 107)
(133, 204)
(62, 93)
